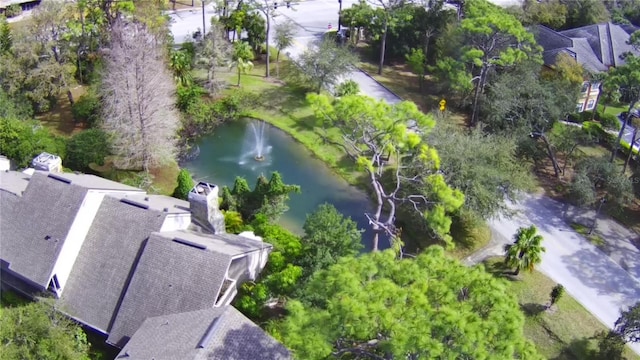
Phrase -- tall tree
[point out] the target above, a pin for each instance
(269, 197)
(431, 307)
(628, 324)
(585, 12)
(526, 251)
(51, 31)
(37, 331)
(138, 99)
(488, 178)
(376, 136)
(284, 39)
(531, 109)
(627, 79)
(6, 40)
(551, 13)
(492, 38)
(387, 8)
(328, 236)
(214, 52)
(598, 181)
(324, 63)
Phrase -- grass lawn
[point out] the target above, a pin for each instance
(615, 109)
(285, 107)
(401, 81)
(565, 332)
(60, 119)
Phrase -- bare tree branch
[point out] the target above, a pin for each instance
(138, 99)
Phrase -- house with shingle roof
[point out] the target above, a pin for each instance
(597, 48)
(113, 256)
(215, 333)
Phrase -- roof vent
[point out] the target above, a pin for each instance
(48, 237)
(210, 331)
(146, 198)
(190, 243)
(134, 203)
(165, 209)
(59, 178)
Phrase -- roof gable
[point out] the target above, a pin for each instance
(170, 277)
(106, 261)
(216, 333)
(41, 221)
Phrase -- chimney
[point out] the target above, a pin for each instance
(203, 201)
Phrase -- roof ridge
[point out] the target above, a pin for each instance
(556, 32)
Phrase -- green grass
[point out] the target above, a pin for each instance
(284, 105)
(405, 84)
(615, 109)
(595, 239)
(563, 333)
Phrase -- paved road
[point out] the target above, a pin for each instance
(312, 19)
(602, 280)
(628, 134)
(185, 23)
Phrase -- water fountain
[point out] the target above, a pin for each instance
(232, 150)
(254, 146)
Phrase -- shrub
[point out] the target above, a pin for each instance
(348, 87)
(610, 121)
(469, 231)
(87, 109)
(233, 222)
(596, 131)
(188, 96)
(185, 184)
(586, 116)
(13, 10)
(625, 148)
(21, 141)
(574, 118)
(556, 293)
(85, 148)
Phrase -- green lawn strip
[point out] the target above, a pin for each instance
(615, 110)
(565, 331)
(595, 239)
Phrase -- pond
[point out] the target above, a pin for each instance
(232, 150)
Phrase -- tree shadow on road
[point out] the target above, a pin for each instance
(595, 270)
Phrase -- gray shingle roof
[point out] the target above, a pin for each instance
(104, 265)
(14, 182)
(597, 47)
(41, 221)
(226, 244)
(177, 336)
(161, 202)
(170, 277)
(95, 182)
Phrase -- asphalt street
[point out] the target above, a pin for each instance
(600, 284)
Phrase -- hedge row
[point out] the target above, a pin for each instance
(609, 121)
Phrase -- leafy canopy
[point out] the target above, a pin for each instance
(430, 307)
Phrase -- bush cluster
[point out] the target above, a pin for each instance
(13, 10)
(608, 121)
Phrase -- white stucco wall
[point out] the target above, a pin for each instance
(176, 222)
(75, 238)
(254, 262)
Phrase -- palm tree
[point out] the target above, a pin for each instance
(526, 251)
(180, 64)
(242, 56)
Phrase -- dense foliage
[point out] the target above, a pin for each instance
(85, 148)
(36, 331)
(22, 140)
(431, 307)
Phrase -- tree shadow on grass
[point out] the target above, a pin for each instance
(532, 309)
(578, 349)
